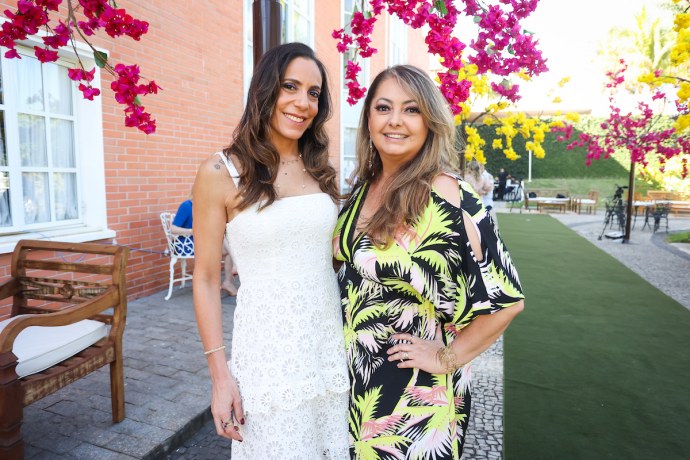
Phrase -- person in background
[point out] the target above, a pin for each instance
(182, 228)
(502, 182)
(481, 181)
(426, 283)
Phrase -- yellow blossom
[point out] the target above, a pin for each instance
(682, 21)
(523, 75)
(497, 144)
(510, 154)
(682, 123)
(572, 116)
(557, 100)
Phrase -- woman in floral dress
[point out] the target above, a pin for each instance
(426, 282)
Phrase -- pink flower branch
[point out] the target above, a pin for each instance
(31, 16)
(501, 47)
(634, 131)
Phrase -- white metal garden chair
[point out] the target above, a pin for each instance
(180, 248)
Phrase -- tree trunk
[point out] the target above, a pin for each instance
(631, 193)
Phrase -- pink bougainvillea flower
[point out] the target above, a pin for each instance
(88, 91)
(45, 55)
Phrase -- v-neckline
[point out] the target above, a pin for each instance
(354, 236)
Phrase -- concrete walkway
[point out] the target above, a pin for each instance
(168, 389)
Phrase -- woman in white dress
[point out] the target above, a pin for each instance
(272, 194)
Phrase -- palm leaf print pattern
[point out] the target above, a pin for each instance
(427, 277)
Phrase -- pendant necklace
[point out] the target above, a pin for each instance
(285, 173)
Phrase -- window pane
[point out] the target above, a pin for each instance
(3, 144)
(62, 143)
(284, 26)
(301, 28)
(32, 140)
(36, 198)
(59, 89)
(5, 210)
(348, 6)
(349, 155)
(347, 19)
(301, 5)
(30, 88)
(2, 88)
(65, 196)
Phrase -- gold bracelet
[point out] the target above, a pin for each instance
(446, 357)
(213, 350)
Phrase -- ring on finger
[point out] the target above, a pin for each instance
(405, 356)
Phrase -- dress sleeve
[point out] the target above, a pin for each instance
(493, 283)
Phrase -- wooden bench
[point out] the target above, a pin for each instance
(546, 199)
(49, 291)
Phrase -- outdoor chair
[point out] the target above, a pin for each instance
(66, 321)
(656, 214)
(180, 248)
(588, 204)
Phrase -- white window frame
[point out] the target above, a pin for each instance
(89, 157)
(397, 41)
(248, 40)
(288, 7)
(349, 116)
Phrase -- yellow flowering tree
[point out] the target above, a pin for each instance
(489, 104)
(679, 73)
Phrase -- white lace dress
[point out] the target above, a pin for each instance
(288, 353)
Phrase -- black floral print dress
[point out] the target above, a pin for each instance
(426, 278)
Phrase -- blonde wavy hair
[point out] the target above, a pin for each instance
(407, 193)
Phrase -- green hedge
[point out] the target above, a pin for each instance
(558, 161)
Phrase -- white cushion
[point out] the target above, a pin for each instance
(39, 347)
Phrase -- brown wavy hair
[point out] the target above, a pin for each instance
(251, 144)
(407, 192)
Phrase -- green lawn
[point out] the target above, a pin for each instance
(598, 364)
(683, 237)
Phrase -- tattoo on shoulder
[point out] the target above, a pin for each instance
(219, 164)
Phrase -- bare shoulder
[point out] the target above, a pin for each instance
(447, 187)
(213, 179)
(213, 166)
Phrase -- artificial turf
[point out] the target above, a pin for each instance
(598, 364)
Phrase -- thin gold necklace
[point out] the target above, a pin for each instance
(289, 162)
(285, 173)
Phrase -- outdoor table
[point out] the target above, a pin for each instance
(641, 206)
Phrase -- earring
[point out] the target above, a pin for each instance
(371, 153)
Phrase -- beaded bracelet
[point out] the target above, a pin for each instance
(213, 350)
(446, 357)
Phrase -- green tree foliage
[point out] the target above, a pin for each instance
(558, 162)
